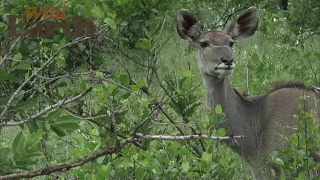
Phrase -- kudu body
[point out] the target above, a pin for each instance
(260, 119)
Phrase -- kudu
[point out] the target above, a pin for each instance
(260, 119)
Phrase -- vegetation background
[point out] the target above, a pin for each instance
(70, 106)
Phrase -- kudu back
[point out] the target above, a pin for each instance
(260, 119)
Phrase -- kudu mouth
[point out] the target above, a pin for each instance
(223, 66)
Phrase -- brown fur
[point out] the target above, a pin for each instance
(283, 84)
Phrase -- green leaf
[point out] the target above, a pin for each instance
(111, 23)
(279, 162)
(144, 43)
(23, 65)
(69, 127)
(111, 88)
(32, 126)
(255, 57)
(13, 2)
(58, 130)
(54, 115)
(210, 119)
(222, 132)
(126, 95)
(140, 84)
(61, 62)
(67, 120)
(99, 74)
(218, 109)
(27, 75)
(16, 59)
(124, 79)
(40, 124)
(139, 173)
(18, 143)
(62, 91)
(185, 166)
(187, 73)
(207, 157)
(4, 76)
(192, 109)
(96, 12)
(124, 23)
(66, 124)
(81, 47)
(34, 139)
(100, 159)
(87, 10)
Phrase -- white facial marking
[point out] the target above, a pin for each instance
(219, 46)
(224, 72)
(226, 67)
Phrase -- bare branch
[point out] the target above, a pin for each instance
(313, 70)
(49, 108)
(85, 118)
(184, 138)
(172, 121)
(113, 122)
(125, 54)
(9, 52)
(106, 151)
(154, 112)
(162, 26)
(247, 69)
(222, 16)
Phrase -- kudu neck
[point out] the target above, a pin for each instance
(220, 87)
(220, 91)
(237, 110)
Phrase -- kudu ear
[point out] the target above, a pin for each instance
(187, 26)
(245, 25)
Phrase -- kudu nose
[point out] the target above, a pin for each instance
(227, 61)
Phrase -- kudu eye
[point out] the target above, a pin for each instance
(204, 44)
(231, 44)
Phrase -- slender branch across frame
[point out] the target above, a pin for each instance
(107, 151)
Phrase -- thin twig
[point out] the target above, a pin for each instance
(162, 26)
(313, 71)
(222, 16)
(247, 68)
(125, 54)
(172, 121)
(85, 118)
(49, 108)
(15, 94)
(9, 52)
(113, 122)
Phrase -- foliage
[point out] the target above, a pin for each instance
(136, 75)
(296, 161)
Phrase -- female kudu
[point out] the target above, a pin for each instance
(260, 119)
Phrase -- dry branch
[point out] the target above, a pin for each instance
(184, 138)
(49, 108)
(106, 151)
(6, 56)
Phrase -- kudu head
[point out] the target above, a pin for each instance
(215, 47)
